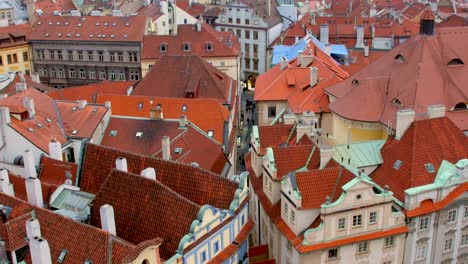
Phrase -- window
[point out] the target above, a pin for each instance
(163, 47)
(246, 50)
(203, 257)
(423, 223)
(247, 34)
(421, 252)
(452, 215)
(184, 108)
(216, 247)
(429, 167)
(292, 216)
(9, 61)
(42, 72)
(357, 220)
(134, 76)
(53, 74)
(80, 55)
(120, 56)
(52, 55)
(397, 164)
(373, 217)
(464, 240)
(9, 15)
(272, 111)
(25, 56)
(92, 75)
(210, 133)
(1, 60)
(122, 76)
(59, 55)
(255, 50)
(362, 247)
(90, 56)
(61, 73)
(387, 262)
(255, 35)
(389, 241)
(285, 209)
(71, 73)
(209, 46)
(112, 75)
(230, 20)
(289, 246)
(239, 33)
(238, 21)
(112, 56)
(333, 253)
(70, 55)
(133, 56)
(341, 223)
(247, 21)
(448, 244)
(82, 74)
(102, 75)
(101, 55)
(255, 64)
(15, 58)
(466, 212)
(40, 54)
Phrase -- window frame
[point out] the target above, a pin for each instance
(341, 224)
(389, 241)
(271, 111)
(426, 221)
(363, 247)
(448, 246)
(357, 220)
(333, 254)
(373, 217)
(452, 216)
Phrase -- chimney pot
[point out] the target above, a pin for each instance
(166, 147)
(405, 118)
(107, 218)
(121, 164)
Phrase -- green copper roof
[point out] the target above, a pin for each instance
(360, 154)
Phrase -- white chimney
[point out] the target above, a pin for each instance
(55, 149)
(360, 36)
(121, 164)
(5, 115)
(299, 55)
(182, 121)
(40, 251)
(35, 77)
(404, 120)
(289, 119)
(29, 104)
(166, 147)
(33, 229)
(435, 111)
(327, 49)
(366, 51)
(5, 185)
(20, 87)
(34, 192)
(306, 60)
(107, 219)
(372, 11)
(324, 33)
(283, 63)
(3, 96)
(198, 25)
(326, 155)
(108, 104)
(313, 76)
(149, 173)
(82, 104)
(29, 165)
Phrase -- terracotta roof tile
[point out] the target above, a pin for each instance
(272, 136)
(54, 171)
(19, 186)
(426, 141)
(48, 6)
(291, 158)
(85, 121)
(91, 91)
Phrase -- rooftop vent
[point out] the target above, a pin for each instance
(30, 129)
(139, 135)
(46, 34)
(127, 24)
(95, 110)
(105, 23)
(50, 23)
(79, 24)
(125, 36)
(58, 23)
(97, 24)
(39, 125)
(49, 120)
(77, 35)
(177, 150)
(396, 102)
(114, 24)
(69, 35)
(74, 132)
(456, 61)
(113, 133)
(91, 35)
(184, 108)
(140, 105)
(429, 167)
(66, 23)
(88, 261)
(59, 34)
(39, 23)
(112, 36)
(210, 133)
(103, 35)
(397, 164)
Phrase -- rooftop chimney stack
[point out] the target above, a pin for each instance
(55, 149)
(121, 164)
(166, 147)
(29, 104)
(20, 87)
(283, 63)
(29, 165)
(324, 33)
(34, 192)
(327, 49)
(35, 77)
(33, 229)
(108, 104)
(426, 25)
(306, 59)
(5, 116)
(405, 118)
(40, 251)
(82, 104)
(313, 76)
(107, 219)
(149, 173)
(435, 111)
(326, 155)
(366, 51)
(182, 121)
(359, 36)
(5, 185)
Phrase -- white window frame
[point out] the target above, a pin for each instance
(363, 247)
(464, 240)
(341, 223)
(372, 217)
(448, 244)
(421, 252)
(292, 216)
(390, 241)
(357, 220)
(334, 256)
(424, 223)
(452, 216)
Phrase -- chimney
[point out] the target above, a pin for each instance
(299, 57)
(426, 25)
(156, 113)
(373, 30)
(359, 37)
(284, 63)
(29, 165)
(3, 96)
(40, 251)
(404, 120)
(327, 49)
(435, 111)
(82, 104)
(108, 104)
(269, 7)
(312, 19)
(326, 155)
(289, 119)
(33, 229)
(121, 164)
(182, 121)
(324, 33)
(166, 147)
(55, 149)
(20, 87)
(366, 51)
(313, 76)
(5, 185)
(306, 59)
(226, 137)
(29, 104)
(149, 173)
(372, 11)
(35, 77)
(107, 219)
(198, 25)
(5, 115)
(34, 192)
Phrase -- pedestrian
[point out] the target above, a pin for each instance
(248, 121)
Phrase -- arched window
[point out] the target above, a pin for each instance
(455, 61)
(460, 106)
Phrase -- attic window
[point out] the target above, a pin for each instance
(460, 106)
(184, 108)
(397, 164)
(396, 102)
(140, 105)
(49, 120)
(114, 24)
(429, 167)
(62, 255)
(177, 150)
(74, 132)
(454, 62)
(186, 46)
(209, 46)
(113, 133)
(399, 58)
(210, 133)
(139, 134)
(163, 47)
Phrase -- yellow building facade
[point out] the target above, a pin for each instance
(14, 50)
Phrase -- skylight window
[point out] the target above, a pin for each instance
(210, 133)
(88, 261)
(186, 46)
(113, 133)
(74, 108)
(399, 58)
(31, 129)
(163, 47)
(397, 164)
(39, 125)
(49, 120)
(95, 110)
(184, 108)
(139, 134)
(429, 167)
(74, 132)
(177, 150)
(62, 255)
(140, 105)
(396, 102)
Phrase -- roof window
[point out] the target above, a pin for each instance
(97, 24)
(139, 134)
(77, 35)
(88, 261)
(69, 35)
(460, 106)
(74, 132)
(95, 110)
(113, 133)
(163, 47)
(59, 34)
(62, 255)
(186, 46)
(49, 120)
(91, 35)
(114, 24)
(397, 164)
(79, 24)
(455, 61)
(184, 108)
(105, 23)
(66, 23)
(355, 82)
(396, 102)
(209, 46)
(399, 58)
(30, 129)
(140, 105)
(210, 133)
(75, 108)
(127, 24)
(177, 150)
(125, 36)
(429, 167)
(39, 125)
(46, 34)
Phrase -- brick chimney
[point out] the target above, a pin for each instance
(313, 76)
(121, 164)
(405, 118)
(149, 173)
(55, 149)
(324, 33)
(435, 111)
(5, 185)
(166, 147)
(107, 219)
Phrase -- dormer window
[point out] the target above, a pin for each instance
(163, 47)
(399, 58)
(186, 46)
(184, 108)
(396, 102)
(209, 46)
(454, 62)
(460, 106)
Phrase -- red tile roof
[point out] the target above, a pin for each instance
(195, 184)
(453, 21)
(19, 186)
(53, 171)
(159, 212)
(152, 11)
(415, 73)
(91, 91)
(414, 11)
(426, 141)
(292, 84)
(195, 146)
(187, 75)
(192, 8)
(196, 110)
(222, 46)
(273, 136)
(291, 158)
(49, 6)
(85, 120)
(15, 34)
(114, 28)
(359, 61)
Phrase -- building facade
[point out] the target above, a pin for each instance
(14, 51)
